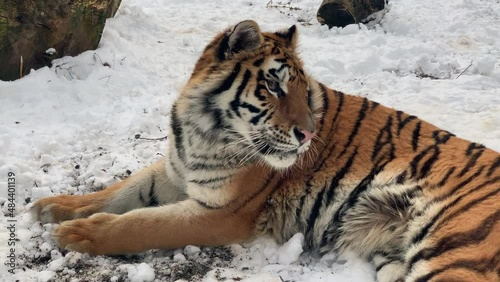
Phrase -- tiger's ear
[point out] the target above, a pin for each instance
(291, 36)
(245, 36)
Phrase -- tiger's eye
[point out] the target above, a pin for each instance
(273, 85)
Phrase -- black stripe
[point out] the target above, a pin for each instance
(153, 201)
(321, 163)
(219, 121)
(340, 96)
(401, 178)
(446, 177)
(353, 198)
(457, 240)
(313, 215)
(425, 230)
(403, 122)
(257, 118)
(324, 95)
(468, 206)
(210, 104)
(441, 136)
(360, 188)
(209, 180)
(339, 176)
(416, 135)
(260, 86)
(207, 157)
(236, 103)
(258, 62)
(298, 211)
(210, 207)
(250, 107)
(440, 139)
(196, 130)
(178, 133)
(387, 262)
(222, 48)
(203, 157)
(384, 138)
(471, 163)
(414, 164)
(426, 168)
(473, 146)
(269, 116)
(205, 166)
(494, 166)
(228, 82)
(465, 182)
(174, 168)
(357, 125)
(229, 114)
(141, 198)
(481, 266)
(257, 193)
(273, 73)
(309, 98)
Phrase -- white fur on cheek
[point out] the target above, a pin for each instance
(304, 147)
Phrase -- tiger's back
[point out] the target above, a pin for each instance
(416, 200)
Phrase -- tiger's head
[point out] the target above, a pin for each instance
(249, 87)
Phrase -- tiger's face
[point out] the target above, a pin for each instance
(254, 92)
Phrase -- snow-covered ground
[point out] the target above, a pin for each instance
(73, 128)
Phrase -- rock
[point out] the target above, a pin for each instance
(34, 32)
(341, 13)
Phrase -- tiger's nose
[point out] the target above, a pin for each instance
(302, 135)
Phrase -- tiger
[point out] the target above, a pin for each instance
(257, 147)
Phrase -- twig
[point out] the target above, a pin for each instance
(138, 136)
(97, 56)
(288, 6)
(465, 69)
(21, 67)
(107, 76)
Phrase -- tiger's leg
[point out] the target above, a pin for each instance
(165, 227)
(149, 187)
(388, 268)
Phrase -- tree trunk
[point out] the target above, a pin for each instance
(28, 28)
(344, 12)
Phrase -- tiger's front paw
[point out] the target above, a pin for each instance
(64, 207)
(91, 235)
(53, 209)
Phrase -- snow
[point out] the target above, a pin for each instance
(45, 276)
(179, 257)
(71, 129)
(291, 250)
(140, 273)
(50, 51)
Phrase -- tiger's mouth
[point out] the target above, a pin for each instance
(277, 155)
(267, 149)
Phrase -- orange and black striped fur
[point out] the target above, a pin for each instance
(419, 202)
